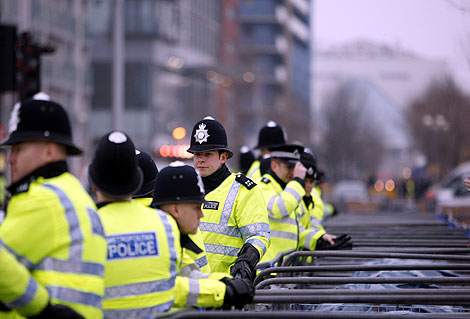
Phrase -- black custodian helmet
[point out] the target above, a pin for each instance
(40, 119)
(114, 170)
(270, 135)
(150, 171)
(289, 153)
(178, 183)
(209, 135)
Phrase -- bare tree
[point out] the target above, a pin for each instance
(352, 145)
(439, 123)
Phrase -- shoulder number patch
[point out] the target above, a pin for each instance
(245, 181)
(211, 205)
(265, 180)
(124, 246)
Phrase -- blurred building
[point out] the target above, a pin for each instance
(389, 79)
(169, 46)
(65, 73)
(275, 55)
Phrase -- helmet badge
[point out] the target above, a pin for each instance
(201, 134)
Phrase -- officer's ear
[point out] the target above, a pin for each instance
(173, 211)
(223, 156)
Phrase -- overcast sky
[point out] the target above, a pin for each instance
(431, 28)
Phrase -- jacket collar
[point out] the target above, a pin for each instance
(277, 179)
(212, 181)
(48, 170)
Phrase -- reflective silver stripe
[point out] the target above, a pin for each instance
(137, 312)
(280, 206)
(27, 296)
(74, 296)
(270, 205)
(302, 228)
(96, 225)
(22, 259)
(75, 247)
(221, 250)
(293, 192)
(286, 220)
(222, 227)
(254, 229)
(283, 234)
(257, 242)
(171, 243)
(67, 266)
(201, 262)
(315, 221)
(309, 237)
(138, 288)
(193, 292)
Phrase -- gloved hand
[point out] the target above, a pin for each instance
(245, 264)
(57, 312)
(238, 293)
(341, 242)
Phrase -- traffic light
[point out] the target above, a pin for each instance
(7, 58)
(28, 66)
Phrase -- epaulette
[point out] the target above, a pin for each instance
(245, 181)
(265, 180)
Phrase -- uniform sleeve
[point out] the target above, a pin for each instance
(310, 228)
(199, 292)
(252, 219)
(18, 289)
(24, 230)
(283, 204)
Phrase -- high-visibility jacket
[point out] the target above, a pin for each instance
(196, 288)
(318, 212)
(199, 258)
(282, 205)
(310, 227)
(234, 214)
(143, 259)
(52, 227)
(18, 289)
(146, 201)
(254, 171)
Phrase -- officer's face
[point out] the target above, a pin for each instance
(209, 162)
(188, 218)
(284, 171)
(309, 183)
(26, 157)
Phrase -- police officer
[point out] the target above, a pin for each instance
(246, 159)
(235, 226)
(150, 171)
(143, 247)
(51, 224)
(19, 290)
(179, 192)
(283, 187)
(270, 135)
(311, 211)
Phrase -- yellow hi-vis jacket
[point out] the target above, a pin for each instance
(199, 258)
(146, 201)
(234, 214)
(282, 205)
(52, 228)
(144, 255)
(310, 227)
(18, 289)
(254, 171)
(196, 288)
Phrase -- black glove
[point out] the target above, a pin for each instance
(245, 264)
(341, 242)
(238, 293)
(57, 312)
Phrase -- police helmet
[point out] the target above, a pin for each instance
(289, 153)
(309, 160)
(178, 183)
(209, 135)
(114, 170)
(150, 171)
(40, 119)
(270, 135)
(246, 159)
